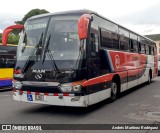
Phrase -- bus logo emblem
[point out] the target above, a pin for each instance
(38, 71)
(117, 61)
(38, 76)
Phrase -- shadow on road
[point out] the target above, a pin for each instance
(66, 110)
(6, 88)
(142, 86)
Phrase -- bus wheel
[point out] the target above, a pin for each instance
(114, 91)
(149, 77)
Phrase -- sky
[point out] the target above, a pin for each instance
(141, 16)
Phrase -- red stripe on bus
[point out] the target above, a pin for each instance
(98, 80)
(65, 94)
(20, 91)
(46, 94)
(55, 94)
(37, 93)
(6, 78)
(28, 92)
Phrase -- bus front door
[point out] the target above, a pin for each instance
(93, 70)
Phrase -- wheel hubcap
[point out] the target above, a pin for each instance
(114, 88)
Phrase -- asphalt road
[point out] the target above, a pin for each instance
(133, 107)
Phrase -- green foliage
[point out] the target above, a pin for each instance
(154, 37)
(31, 13)
(12, 39)
(16, 31)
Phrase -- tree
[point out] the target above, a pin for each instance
(13, 37)
(31, 13)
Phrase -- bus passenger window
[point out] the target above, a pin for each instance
(115, 41)
(139, 47)
(106, 39)
(131, 45)
(152, 51)
(135, 48)
(149, 50)
(142, 45)
(124, 43)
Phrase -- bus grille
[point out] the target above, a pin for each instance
(41, 89)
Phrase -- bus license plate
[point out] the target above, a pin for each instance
(39, 97)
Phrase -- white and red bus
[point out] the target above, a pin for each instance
(79, 58)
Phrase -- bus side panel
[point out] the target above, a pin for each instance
(94, 94)
(7, 62)
(132, 63)
(6, 76)
(5, 82)
(125, 64)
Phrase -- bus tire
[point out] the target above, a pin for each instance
(114, 91)
(149, 77)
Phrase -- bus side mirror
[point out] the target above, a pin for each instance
(7, 31)
(83, 24)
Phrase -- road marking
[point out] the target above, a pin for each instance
(156, 96)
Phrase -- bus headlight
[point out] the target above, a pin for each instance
(77, 88)
(16, 84)
(68, 87)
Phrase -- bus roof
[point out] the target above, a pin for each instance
(84, 11)
(64, 13)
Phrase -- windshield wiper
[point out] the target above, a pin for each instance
(49, 53)
(33, 51)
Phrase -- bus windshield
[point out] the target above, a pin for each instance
(62, 41)
(30, 37)
(58, 38)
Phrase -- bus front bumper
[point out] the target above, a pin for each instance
(51, 99)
